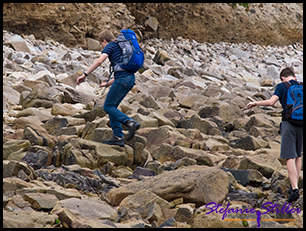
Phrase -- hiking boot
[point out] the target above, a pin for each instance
(289, 190)
(294, 195)
(114, 141)
(132, 126)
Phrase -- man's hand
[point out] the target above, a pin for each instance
(107, 84)
(103, 85)
(81, 79)
(251, 104)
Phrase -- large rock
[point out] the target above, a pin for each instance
(91, 154)
(59, 109)
(227, 111)
(150, 102)
(266, 164)
(247, 176)
(20, 45)
(92, 114)
(99, 134)
(28, 219)
(54, 124)
(39, 136)
(71, 80)
(85, 208)
(72, 95)
(41, 201)
(22, 122)
(93, 44)
(196, 184)
(141, 202)
(239, 53)
(155, 137)
(151, 23)
(12, 96)
(16, 168)
(40, 96)
(11, 146)
(159, 91)
(259, 120)
(161, 57)
(249, 143)
(190, 100)
(168, 153)
(264, 132)
(162, 120)
(204, 125)
(45, 76)
(145, 121)
(42, 115)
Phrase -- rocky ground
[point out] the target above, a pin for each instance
(197, 142)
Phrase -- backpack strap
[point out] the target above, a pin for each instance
(287, 84)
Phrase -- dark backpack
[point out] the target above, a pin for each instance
(293, 111)
(132, 56)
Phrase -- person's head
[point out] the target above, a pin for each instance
(287, 74)
(106, 37)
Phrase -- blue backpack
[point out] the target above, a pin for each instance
(132, 55)
(293, 111)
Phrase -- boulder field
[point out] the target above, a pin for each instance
(197, 142)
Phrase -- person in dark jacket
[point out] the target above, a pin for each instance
(121, 84)
(291, 136)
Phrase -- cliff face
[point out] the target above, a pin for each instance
(70, 23)
(264, 24)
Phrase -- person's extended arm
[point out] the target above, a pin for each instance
(267, 102)
(97, 63)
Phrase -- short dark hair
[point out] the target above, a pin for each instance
(286, 72)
